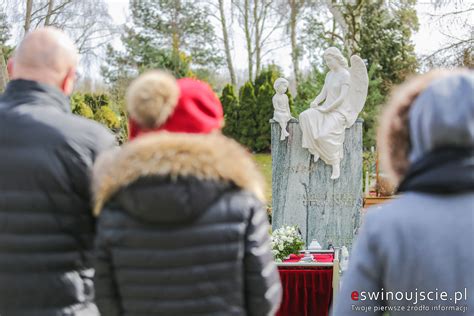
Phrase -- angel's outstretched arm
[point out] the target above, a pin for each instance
(321, 97)
(342, 96)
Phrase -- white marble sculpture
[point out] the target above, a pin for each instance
(281, 105)
(344, 94)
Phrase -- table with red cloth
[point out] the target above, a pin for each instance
(307, 290)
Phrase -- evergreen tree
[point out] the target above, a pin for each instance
(268, 75)
(139, 55)
(97, 100)
(291, 103)
(98, 107)
(109, 118)
(230, 104)
(264, 114)
(174, 35)
(182, 25)
(247, 120)
(385, 41)
(375, 98)
(385, 44)
(80, 107)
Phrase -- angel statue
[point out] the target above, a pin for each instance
(344, 94)
(281, 105)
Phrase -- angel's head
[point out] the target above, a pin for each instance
(281, 85)
(334, 58)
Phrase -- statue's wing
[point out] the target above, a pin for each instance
(358, 89)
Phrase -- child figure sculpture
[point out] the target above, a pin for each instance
(281, 105)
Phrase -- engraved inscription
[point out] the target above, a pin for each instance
(301, 168)
(348, 200)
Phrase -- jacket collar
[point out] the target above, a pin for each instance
(205, 157)
(22, 91)
(442, 171)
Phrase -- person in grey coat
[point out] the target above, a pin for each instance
(415, 254)
(182, 229)
(46, 156)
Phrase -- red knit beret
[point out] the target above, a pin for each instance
(151, 107)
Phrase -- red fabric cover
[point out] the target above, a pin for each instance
(306, 292)
(198, 111)
(320, 257)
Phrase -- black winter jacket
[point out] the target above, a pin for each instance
(182, 230)
(46, 222)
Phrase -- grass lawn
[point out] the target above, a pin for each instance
(265, 163)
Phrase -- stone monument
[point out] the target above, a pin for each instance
(323, 196)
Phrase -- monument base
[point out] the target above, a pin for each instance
(303, 193)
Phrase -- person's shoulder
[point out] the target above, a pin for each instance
(414, 211)
(88, 133)
(242, 196)
(402, 213)
(390, 210)
(241, 201)
(80, 122)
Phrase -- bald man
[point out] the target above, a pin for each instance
(46, 223)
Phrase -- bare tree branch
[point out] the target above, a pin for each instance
(29, 7)
(449, 47)
(49, 13)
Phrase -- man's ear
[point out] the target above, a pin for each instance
(10, 67)
(67, 86)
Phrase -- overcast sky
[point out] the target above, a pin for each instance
(426, 40)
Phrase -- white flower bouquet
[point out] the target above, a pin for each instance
(286, 241)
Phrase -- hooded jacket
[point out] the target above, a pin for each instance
(46, 222)
(183, 230)
(413, 249)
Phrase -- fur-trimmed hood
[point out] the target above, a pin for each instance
(211, 157)
(403, 136)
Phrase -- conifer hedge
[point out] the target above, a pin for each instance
(99, 107)
(247, 116)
